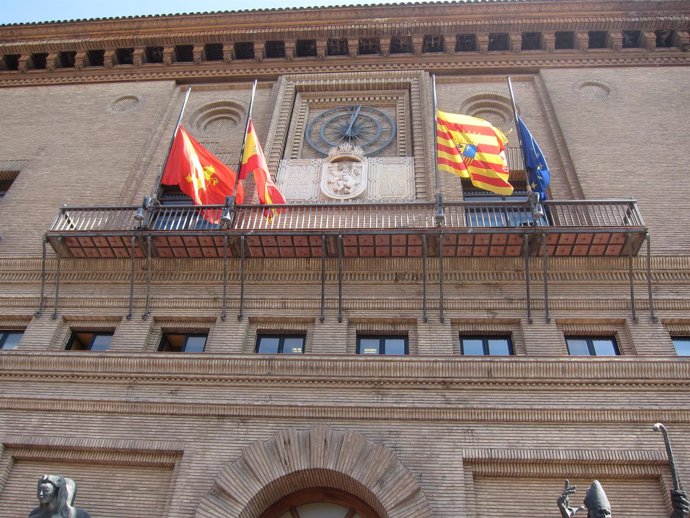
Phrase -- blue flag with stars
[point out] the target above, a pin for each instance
(538, 173)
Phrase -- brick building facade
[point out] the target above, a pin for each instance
(531, 349)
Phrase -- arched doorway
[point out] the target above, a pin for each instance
(295, 462)
(320, 503)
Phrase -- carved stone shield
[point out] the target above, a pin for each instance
(344, 173)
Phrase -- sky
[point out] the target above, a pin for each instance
(27, 11)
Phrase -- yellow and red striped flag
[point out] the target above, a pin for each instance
(253, 161)
(472, 148)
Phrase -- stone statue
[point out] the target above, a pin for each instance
(597, 504)
(56, 495)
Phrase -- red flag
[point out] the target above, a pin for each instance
(253, 161)
(199, 173)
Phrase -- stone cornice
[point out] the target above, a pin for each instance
(339, 370)
(366, 413)
(351, 16)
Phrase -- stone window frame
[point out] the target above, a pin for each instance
(382, 327)
(278, 326)
(489, 327)
(677, 329)
(161, 326)
(616, 328)
(75, 339)
(68, 324)
(14, 324)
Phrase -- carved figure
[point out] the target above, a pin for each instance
(597, 504)
(56, 496)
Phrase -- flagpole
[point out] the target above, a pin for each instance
(244, 141)
(172, 139)
(438, 216)
(519, 135)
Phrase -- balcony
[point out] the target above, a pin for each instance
(468, 229)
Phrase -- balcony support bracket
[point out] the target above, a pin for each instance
(425, 315)
(41, 300)
(441, 272)
(224, 312)
(149, 276)
(57, 284)
(649, 278)
(131, 278)
(547, 316)
(240, 315)
(631, 280)
(525, 248)
(324, 251)
(340, 278)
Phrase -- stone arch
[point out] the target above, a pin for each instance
(318, 457)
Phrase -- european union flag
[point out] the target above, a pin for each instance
(538, 173)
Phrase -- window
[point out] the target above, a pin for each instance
(564, 40)
(401, 44)
(183, 342)
(486, 345)
(39, 60)
(6, 180)
(154, 54)
(95, 58)
(382, 345)
(184, 53)
(664, 38)
(682, 345)
(12, 61)
(125, 56)
(432, 43)
(369, 46)
(592, 346)
(531, 41)
(305, 48)
(280, 344)
(498, 41)
(631, 39)
(10, 339)
(213, 52)
(90, 341)
(244, 50)
(336, 47)
(67, 58)
(275, 49)
(465, 42)
(597, 39)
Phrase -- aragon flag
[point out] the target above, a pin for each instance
(200, 174)
(253, 161)
(472, 148)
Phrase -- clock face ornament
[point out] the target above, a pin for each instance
(359, 125)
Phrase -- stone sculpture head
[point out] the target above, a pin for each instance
(55, 495)
(596, 502)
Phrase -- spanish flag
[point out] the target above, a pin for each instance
(253, 161)
(199, 173)
(472, 148)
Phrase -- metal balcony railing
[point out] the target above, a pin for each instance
(345, 217)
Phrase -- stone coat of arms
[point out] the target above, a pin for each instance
(344, 173)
